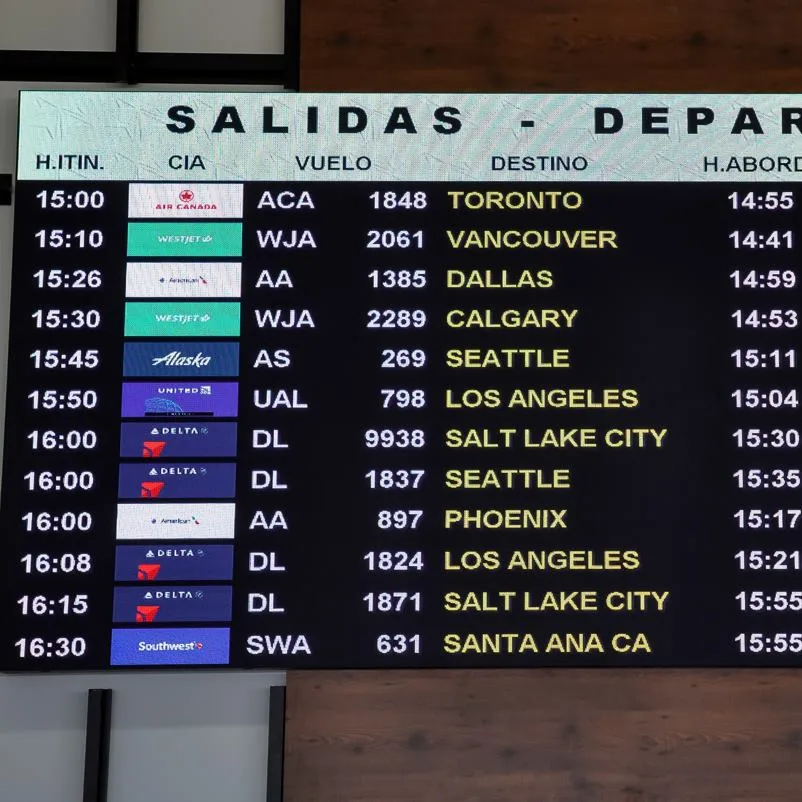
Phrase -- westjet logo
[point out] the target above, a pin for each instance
(178, 359)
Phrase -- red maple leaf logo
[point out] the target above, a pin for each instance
(186, 195)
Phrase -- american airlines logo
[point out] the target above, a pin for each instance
(178, 359)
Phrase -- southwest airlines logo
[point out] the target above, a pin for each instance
(177, 399)
(196, 646)
(185, 201)
(181, 359)
(147, 441)
(183, 280)
(178, 480)
(175, 521)
(152, 563)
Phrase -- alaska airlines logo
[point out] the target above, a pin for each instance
(177, 359)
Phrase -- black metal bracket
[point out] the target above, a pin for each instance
(98, 743)
(275, 744)
(128, 65)
(5, 189)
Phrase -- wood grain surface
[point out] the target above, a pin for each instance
(551, 45)
(547, 736)
(544, 736)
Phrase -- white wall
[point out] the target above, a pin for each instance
(178, 735)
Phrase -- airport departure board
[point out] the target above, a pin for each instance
(376, 381)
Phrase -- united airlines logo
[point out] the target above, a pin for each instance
(178, 359)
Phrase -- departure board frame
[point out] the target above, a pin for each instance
(408, 380)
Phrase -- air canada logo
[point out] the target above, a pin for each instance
(152, 449)
(151, 489)
(146, 614)
(147, 572)
(186, 196)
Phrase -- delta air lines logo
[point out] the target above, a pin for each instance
(147, 572)
(146, 613)
(152, 449)
(151, 489)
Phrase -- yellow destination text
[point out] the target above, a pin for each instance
(538, 398)
(508, 358)
(542, 560)
(532, 238)
(500, 279)
(556, 642)
(492, 199)
(508, 478)
(506, 519)
(555, 438)
(511, 318)
(555, 601)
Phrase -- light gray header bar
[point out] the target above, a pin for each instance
(217, 136)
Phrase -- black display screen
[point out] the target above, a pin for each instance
(518, 387)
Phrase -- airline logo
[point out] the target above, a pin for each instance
(185, 200)
(172, 440)
(181, 359)
(148, 572)
(168, 604)
(170, 647)
(175, 521)
(188, 240)
(152, 449)
(182, 319)
(151, 489)
(178, 480)
(183, 280)
(146, 614)
(179, 399)
(173, 563)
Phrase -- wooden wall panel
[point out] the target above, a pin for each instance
(551, 45)
(547, 736)
(544, 736)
